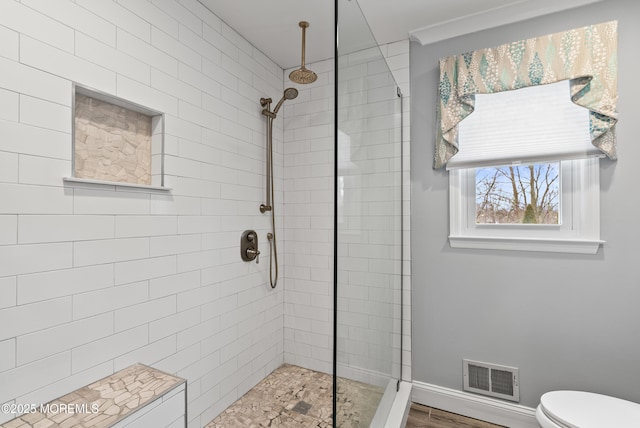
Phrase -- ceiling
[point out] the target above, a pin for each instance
(272, 26)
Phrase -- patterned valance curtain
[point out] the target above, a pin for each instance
(587, 57)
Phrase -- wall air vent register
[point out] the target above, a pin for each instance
(491, 379)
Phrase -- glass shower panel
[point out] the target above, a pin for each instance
(368, 226)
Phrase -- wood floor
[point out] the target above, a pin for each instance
(427, 417)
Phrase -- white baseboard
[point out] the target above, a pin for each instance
(474, 406)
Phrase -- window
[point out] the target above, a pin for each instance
(518, 194)
(531, 186)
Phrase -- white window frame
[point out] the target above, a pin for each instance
(578, 231)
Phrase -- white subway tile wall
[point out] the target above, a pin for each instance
(94, 278)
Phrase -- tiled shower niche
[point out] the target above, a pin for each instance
(116, 141)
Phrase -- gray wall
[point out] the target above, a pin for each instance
(567, 321)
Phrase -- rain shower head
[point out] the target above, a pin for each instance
(289, 94)
(302, 75)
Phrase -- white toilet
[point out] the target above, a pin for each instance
(578, 409)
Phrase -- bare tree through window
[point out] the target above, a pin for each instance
(518, 194)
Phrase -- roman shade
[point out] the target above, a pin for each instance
(498, 134)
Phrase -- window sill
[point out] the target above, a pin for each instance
(576, 246)
(117, 184)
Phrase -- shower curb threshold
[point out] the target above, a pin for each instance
(400, 409)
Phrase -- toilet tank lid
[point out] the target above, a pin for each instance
(579, 409)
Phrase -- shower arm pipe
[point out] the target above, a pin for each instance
(304, 26)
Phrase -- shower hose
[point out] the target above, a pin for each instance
(273, 254)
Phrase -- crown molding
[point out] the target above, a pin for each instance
(516, 11)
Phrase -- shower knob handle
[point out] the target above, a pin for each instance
(253, 253)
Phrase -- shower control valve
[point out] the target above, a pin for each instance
(249, 246)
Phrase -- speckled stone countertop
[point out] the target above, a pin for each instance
(102, 403)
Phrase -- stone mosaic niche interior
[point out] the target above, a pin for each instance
(112, 142)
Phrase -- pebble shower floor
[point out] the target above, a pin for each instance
(293, 396)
